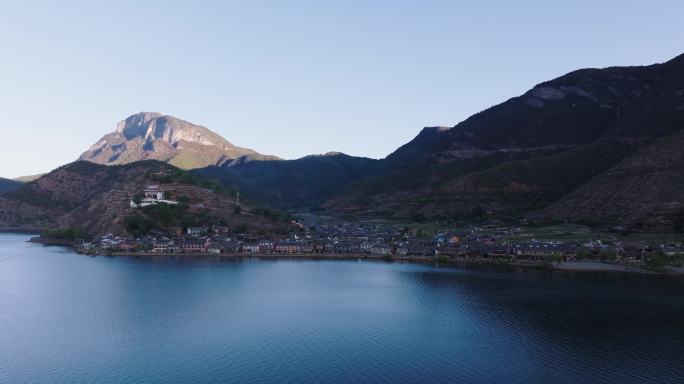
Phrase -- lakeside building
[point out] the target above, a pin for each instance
(381, 249)
(265, 246)
(250, 248)
(288, 246)
(538, 250)
(193, 246)
(381, 241)
(345, 247)
(197, 231)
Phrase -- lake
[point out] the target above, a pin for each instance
(68, 318)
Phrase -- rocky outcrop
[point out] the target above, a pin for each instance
(152, 136)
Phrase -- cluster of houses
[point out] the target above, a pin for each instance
(380, 240)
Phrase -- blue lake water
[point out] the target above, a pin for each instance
(68, 318)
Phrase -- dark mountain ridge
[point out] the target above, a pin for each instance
(7, 185)
(573, 109)
(529, 151)
(304, 182)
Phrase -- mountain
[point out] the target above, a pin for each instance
(152, 136)
(28, 178)
(95, 200)
(308, 181)
(562, 145)
(645, 189)
(7, 185)
(595, 145)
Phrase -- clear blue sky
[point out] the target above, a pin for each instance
(292, 78)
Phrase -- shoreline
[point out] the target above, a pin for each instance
(588, 266)
(584, 266)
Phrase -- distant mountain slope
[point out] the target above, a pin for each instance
(291, 183)
(28, 178)
(592, 145)
(152, 136)
(644, 189)
(96, 199)
(529, 151)
(573, 109)
(41, 202)
(7, 185)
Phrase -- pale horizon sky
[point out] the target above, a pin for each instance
(292, 78)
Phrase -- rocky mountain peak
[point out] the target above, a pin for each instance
(154, 136)
(136, 125)
(152, 126)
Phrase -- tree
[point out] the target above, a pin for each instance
(137, 225)
(418, 217)
(607, 255)
(656, 262)
(67, 233)
(477, 213)
(581, 254)
(678, 222)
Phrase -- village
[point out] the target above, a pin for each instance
(312, 236)
(368, 239)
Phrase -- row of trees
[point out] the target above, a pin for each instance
(68, 233)
(164, 216)
(185, 177)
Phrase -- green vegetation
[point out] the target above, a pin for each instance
(273, 214)
(138, 225)
(34, 196)
(656, 262)
(165, 217)
(514, 183)
(166, 214)
(137, 199)
(678, 221)
(607, 255)
(304, 182)
(7, 185)
(422, 233)
(581, 254)
(68, 233)
(442, 259)
(184, 177)
(477, 213)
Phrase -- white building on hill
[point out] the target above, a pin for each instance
(152, 195)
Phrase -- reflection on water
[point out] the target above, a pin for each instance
(67, 318)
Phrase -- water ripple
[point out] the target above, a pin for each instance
(66, 318)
